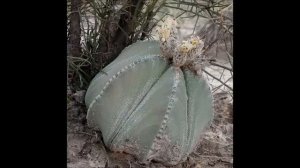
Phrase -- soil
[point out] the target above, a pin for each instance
(86, 149)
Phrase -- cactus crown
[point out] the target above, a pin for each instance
(186, 54)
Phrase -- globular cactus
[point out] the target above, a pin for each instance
(149, 104)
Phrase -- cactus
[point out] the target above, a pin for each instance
(150, 105)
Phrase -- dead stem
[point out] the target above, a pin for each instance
(217, 79)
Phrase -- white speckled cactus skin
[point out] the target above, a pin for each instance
(146, 107)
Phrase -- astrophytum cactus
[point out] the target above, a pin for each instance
(151, 101)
